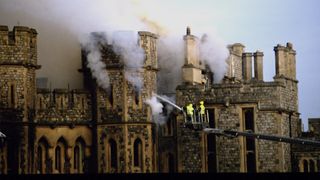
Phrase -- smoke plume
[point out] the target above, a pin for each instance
(160, 111)
(214, 54)
(125, 44)
(92, 46)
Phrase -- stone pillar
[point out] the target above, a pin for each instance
(247, 66)
(258, 65)
(280, 60)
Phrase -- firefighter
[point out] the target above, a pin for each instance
(202, 111)
(190, 112)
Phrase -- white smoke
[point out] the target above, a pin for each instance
(125, 44)
(62, 23)
(156, 108)
(160, 117)
(171, 59)
(214, 54)
(98, 68)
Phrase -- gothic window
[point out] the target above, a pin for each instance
(137, 153)
(60, 155)
(312, 166)
(78, 156)
(305, 166)
(249, 147)
(113, 154)
(42, 155)
(58, 165)
(40, 159)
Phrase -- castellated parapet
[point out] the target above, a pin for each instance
(18, 47)
(63, 106)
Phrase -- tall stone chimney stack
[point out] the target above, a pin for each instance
(191, 70)
(247, 66)
(280, 60)
(258, 65)
(285, 61)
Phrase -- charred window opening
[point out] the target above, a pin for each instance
(110, 97)
(137, 97)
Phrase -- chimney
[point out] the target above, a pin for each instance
(258, 65)
(191, 71)
(281, 69)
(291, 61)
(247, 66)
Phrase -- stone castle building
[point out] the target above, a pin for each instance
(93, 130)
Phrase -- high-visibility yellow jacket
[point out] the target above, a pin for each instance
(190, 110)
(202, 108)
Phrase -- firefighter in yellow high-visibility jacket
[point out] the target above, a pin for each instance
(202, 111)
(190, 110)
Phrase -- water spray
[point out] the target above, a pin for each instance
(166, 100)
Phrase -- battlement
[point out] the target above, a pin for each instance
(63, 99)
(19, 46)
(18, 36)
(147, 33)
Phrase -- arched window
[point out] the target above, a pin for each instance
(312, 166)
(305, 166)
(60, 155)
(40, 159)
(78, 153)
(42, 155)
(77, 159)
(137, 153)
(58, 165)
(113, 154)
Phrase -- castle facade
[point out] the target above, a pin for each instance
(94, 130)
